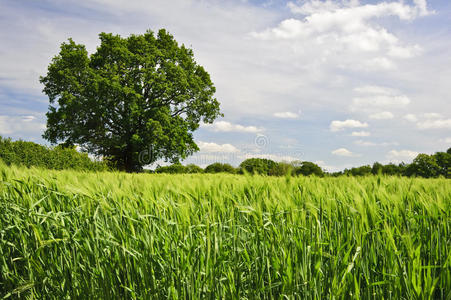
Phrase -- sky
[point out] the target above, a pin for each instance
(341, 83)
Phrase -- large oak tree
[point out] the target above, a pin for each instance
(133, 94)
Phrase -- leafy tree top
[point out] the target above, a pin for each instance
(143, 92)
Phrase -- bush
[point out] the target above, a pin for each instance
(308, 168)
(260, 166)
(281, 169)
(220, 168)
(30, 154)
(176, 168)
(192, 168)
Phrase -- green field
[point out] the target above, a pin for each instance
(68, 234)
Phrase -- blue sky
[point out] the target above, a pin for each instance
(340, 83)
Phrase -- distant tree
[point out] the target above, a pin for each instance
(423, 165)
(443, 160)
(220, 168)
(176, 168)
(281, 169)
(260, 166)
(133, 94)
(448, 151)
(192, 168)
(391, 169)
(359, 171)
(377, 168)
(308, 168)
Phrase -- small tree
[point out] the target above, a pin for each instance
(423, 165)
(308, 168)
(134, 94)
(443, 160)
(220, 168)
(258, 166)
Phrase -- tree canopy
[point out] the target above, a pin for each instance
(134, 94)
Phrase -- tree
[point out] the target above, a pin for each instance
(308, 168)
(281, 169)
(192, 168)
(260, 166)
(134, 94)
(377, 168)
(443, 160)
(220, 168)
(423, 165)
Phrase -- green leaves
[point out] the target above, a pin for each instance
(131, 93)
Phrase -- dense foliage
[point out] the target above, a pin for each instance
(424, 165)
(71, 235)
(134, 94)
(220, 168)
(30, 154)
(179, 169)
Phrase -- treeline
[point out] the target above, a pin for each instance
(424, 165)
(29, 154)
(259, 166)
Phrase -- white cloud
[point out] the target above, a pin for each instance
(213, 147)
(435, 124)
(402, 155)
(360, 133)
(411, 117)
(432, 115)
(370, 144)
(340, 125)
(224, 126)
(286, 115)
(446, 140)
(345, 30)
(343, 152)
(385, 115)
(374, 89)
(20, 126)
(380, 101)
(374, 98)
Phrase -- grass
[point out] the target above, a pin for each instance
(68, 234)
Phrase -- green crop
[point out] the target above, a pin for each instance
(68, 234)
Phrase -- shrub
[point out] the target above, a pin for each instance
(31, 154)
(220, 168)
(176, 168)
(260, 166)
(308, 168)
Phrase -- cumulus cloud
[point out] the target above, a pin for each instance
(372, 99)
(379, 101)
(346, 28)
(20, 126)
(213, 147)
(432, 115)
(411, 117)
(402, 155)
(343, 152)
(361, 133)
(384, 115)
(224, 126)
(370, 144)
(435, 124)
(286, 115)
(340, 125)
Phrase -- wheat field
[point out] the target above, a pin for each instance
(81, 235)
